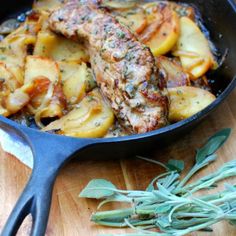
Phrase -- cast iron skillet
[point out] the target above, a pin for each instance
(52, 151)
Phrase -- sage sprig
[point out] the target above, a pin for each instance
(168, 207)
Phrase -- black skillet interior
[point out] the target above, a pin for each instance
(219, 17)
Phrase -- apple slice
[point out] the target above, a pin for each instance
(163, 31)
(59, 48)
(92, 118)
(46, 5)
(174, 73)
(77, 80)
(186, 101)
(39, 66)
(193, 49)
(135, 19)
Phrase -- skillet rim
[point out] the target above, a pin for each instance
(159, 132)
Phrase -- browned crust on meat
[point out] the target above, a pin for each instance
(125, 69)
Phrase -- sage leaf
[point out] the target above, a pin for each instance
(208, 229)
(232, 222)
(98, 188)
(164, 208)
(208, 149)
(163, 222)
(169, 205)
(230, 187)
(151, 187)
(115, 198)
(175, 165)
(213, 144)
(224, 132)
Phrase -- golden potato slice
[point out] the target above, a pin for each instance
(187, 101)
(193, 49)
(76, 81)
(41, 67)
(173, 72)
(163, 31)
(59, 48)
(91, 119)
(47, 5)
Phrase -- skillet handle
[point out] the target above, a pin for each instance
(35, 200)
(50, 154)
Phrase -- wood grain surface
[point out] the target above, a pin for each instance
(70, 215)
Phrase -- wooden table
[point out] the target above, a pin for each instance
(70, 215)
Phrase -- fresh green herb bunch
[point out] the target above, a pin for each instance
(168, 206)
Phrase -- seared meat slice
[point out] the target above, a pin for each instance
(125, 69)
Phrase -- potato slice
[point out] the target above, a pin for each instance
(76, 81)
(47, 5)
(163, 31)
(41, 67)
(59, 48)
(187, 101)
(193, 49)
(91, 119)
(173, 72)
